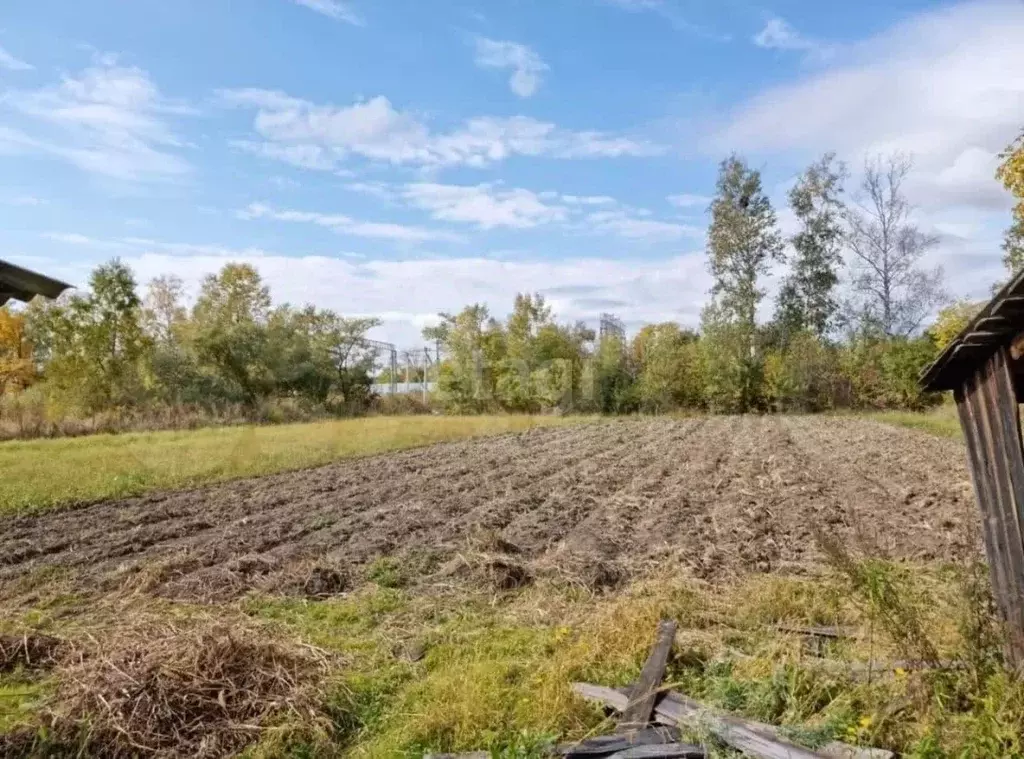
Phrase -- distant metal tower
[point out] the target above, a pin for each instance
(392, 358)
(612, 326)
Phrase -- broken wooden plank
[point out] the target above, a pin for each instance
(664, 751)
(645, 691)
(605, 745)
(676, 710)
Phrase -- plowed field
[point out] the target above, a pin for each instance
(597, 503)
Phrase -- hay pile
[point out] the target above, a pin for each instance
(205, 691)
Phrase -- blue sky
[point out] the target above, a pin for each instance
(401, 157)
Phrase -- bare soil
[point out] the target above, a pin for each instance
(594, 504)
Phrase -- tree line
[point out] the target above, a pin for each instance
(848, 327)
(111, 348)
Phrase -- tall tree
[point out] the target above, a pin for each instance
(94, 343)
(163, 311)
(893, 293)
(807, 299)
(1011, 174)
(230, 322)
(743, 241)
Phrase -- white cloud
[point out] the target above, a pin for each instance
(778, 34)
(109, 120)
(585, 200)
(346, 225)
(409, 292)
(946, 87)
(11, 63)
(689, 200)
(71, 238)
(485, 205)
(668, 11)
(334, 9)
(527, 66)
(633, 225)
(325, 136)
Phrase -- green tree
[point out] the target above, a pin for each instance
(94, 345)
(230, 332)
(733, 368)
(670, 367)
(743, 240)
(474, 346)
(1011, 174)
(803, 376)
(807, 300)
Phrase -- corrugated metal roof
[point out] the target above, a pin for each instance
(993, 328)
(23, 284)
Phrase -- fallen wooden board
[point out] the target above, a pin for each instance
(640, 709)
(664, 751)
(676, 709)
(606, 745)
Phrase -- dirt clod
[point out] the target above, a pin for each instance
(324, 582)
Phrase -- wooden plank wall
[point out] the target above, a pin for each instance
(987, 404)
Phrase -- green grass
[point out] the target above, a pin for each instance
(44, 473)
(497, 676)
(941, 421)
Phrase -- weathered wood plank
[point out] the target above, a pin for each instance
(666, 751)
(603, 745)
(676, 710)
(1008, 427)
(645, 692)
(982, 479)
(1000, 451)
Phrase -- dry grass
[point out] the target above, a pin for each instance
(197, 688)
(463, 665)
(44, 473)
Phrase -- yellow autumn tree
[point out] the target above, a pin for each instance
(951, 321)
(1011, 174)
(17, 369)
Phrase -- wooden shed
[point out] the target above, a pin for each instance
(23, 284)
(983, 367)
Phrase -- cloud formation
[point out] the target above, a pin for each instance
(109, 120)
(333, 9)
(526, 65)
(778, 34)
(578, 286)
(11, 63)
(346, 225)
(325, 137)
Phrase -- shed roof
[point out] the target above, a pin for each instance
(995, 327)
(23, 284)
